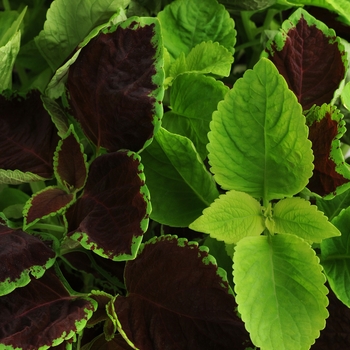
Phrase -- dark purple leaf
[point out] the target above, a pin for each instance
(70, 163)
(28, 138)
(112, 213)
(178, 299)
(114, 86)
(309, 58)
(41, 313)
(325, 129)
(21, 254)
(50, 201)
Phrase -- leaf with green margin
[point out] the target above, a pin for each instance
(341, 7)
(345, 96)
(188, 117)
(42, 314)
(22, 255)
(113, 212)
(331, 175)
(70, 165)
(310, 57)
(334, 206)
(231, 217)
(68, 23)
(194, 295)
(335, 258)
(115, 87)
(299, 217)
(205, 58)
(179, 184)
(49, 202)
(258, 140)
(280, 290)
(188, 23)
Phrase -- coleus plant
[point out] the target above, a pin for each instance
(96, 181)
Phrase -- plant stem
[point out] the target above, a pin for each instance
(6, 5)
(50, 227)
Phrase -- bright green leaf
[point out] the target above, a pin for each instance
(280, 291)
(332, 207)
(69, 22)
(205, 58)
(178, 182)
(345, 96)
(10, 22)
(189, 118)
(298, 216)
(258, 140)
(186, 24)
(231, 217)
(335, 258)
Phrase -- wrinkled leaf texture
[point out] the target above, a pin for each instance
(310, 58)
(113, 212)
(22, 254)
(42, 314)
(115, 85)
(178, 299)
(23, 151)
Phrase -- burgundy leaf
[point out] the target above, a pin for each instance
(21, 254)
(28, 138)
(70, 163)
(112, 213)
(50, 201)
(177, 299)
(41, 313)
(113, 89)
(323, 132)
(310, 61)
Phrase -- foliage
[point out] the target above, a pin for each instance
(173, 174)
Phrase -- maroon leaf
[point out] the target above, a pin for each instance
(178, 299)
(21, 254)
(70, 163)
(112, 213)
(50, 201)
(310, 58)
(28, 138)
(325, 129)
(42, 314)
(114, 86)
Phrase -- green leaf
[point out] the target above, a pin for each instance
(334, 206)
(298, 216)
(10, 22)
(69, 22)
(178, 182)
(188, 117)
(186, 24)
(280, 291)
(205, 58)
(345, 96)
(335, 258)
(231, 217)
(258, 140)
(16, 177)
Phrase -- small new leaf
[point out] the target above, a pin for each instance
(231, 217)
(299, 217)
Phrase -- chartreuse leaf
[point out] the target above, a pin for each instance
(189, 118)
(113, 212)
(335, 258)
(310, 57)
(186, 24)
(231, 217)
(297, 216)
(258, 140)
(115, 87)
(69, 22)
(42, 314)
(174, 307)
(179, 184)
(345, 96)
(331, 175)
(204, 58)
(280, 291)
(22, 255)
